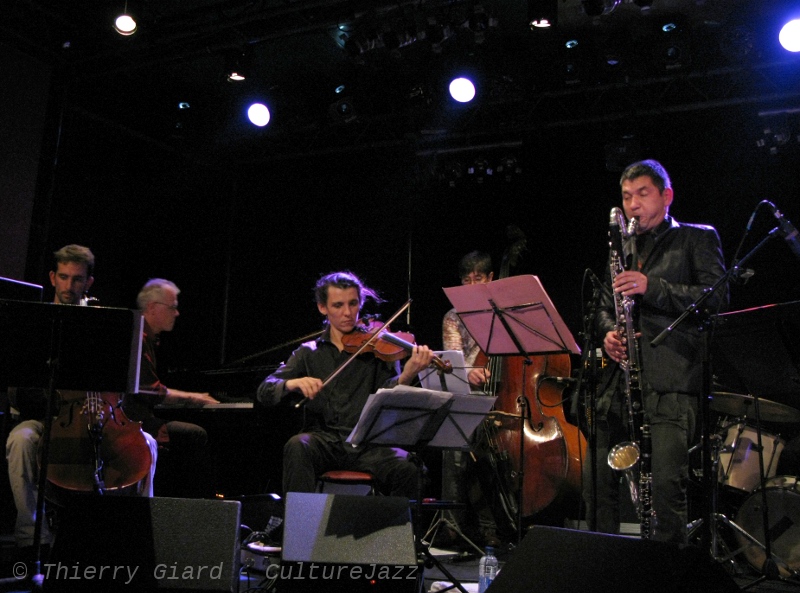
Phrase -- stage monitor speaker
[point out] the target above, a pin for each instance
(353, 543)
(552, 560)
(141, 545)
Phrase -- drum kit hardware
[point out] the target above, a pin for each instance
(769, 518)
(736, 404)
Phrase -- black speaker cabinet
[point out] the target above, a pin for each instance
(134, 544)
(552, 560)
(351, 543)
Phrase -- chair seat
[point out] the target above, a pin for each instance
(346, 477)
(346, 482)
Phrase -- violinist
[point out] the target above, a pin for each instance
(461, 476)
(333, 411)
(71, 278)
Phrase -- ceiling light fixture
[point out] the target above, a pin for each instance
(238, 65)
(258, 114)
(789, 36)
(462, 89)
(542, 14)
(479, 22)
(343, 111)
(125, 24)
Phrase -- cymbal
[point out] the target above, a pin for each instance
(737, 404)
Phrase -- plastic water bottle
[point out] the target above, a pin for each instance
(487, 569)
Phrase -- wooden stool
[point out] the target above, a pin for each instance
(346, 482)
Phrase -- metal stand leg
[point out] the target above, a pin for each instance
(770, 569)
(720, 551)
(445, 518)
(424, 556)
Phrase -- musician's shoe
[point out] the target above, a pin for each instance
(27, 555)
(490, 538)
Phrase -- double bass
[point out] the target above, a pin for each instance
(94, 447)
(536, 453)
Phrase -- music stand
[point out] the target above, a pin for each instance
(66, 347)
(416, 419)
(513, 316)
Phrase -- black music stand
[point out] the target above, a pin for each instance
(53, 347)
(513, 316)
(416, 419)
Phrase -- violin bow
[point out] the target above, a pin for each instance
(374, 337)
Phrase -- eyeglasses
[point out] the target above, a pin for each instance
(173, 307)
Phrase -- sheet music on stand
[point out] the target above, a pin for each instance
(412, 416)
(522, 303)
(455, 381)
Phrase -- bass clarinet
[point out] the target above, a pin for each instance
(627, 455)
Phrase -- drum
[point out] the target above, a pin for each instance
(738, 460)
(783, 504)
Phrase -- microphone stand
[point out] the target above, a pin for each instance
(589, 400)
(769, 569)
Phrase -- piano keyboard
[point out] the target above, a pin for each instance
(219, 406)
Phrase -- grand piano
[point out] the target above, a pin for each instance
(245, 439)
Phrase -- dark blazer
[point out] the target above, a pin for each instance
(685, 260)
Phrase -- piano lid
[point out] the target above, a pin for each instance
(757, 352)
(225, 384)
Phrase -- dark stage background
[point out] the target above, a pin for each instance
(246, 243)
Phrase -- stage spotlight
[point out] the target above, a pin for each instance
(452, 173)
(789, 36)
(673, 49)
(542, 14)
(479, 23)
(462, 90)
(238, 65)
(343, 111)
(184, 121)
(480, 170)
(437, 33)
(258, 114)
(125, 24)
(572, 63)
(508, 166)
(599, 7)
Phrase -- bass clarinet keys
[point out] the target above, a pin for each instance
(626, 456)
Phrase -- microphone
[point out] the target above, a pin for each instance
(742, 275)
(560, 380)
(753, 217)
(595, 280)
(597, 284)
(787, 229)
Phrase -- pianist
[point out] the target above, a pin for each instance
(182, 445)
(333, 411)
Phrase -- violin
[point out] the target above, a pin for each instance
(372, 336)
